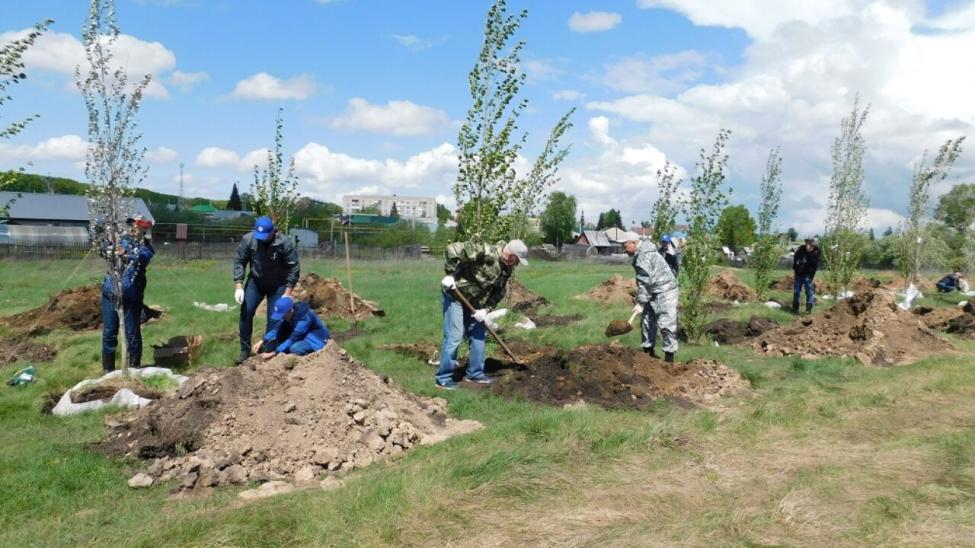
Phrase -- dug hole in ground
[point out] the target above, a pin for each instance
(292, 419)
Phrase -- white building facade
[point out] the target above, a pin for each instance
(416, 208)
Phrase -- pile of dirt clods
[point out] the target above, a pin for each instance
(522, 299)
(78, 309)
(286, 419)
(869, 327)
(726, 331)
(727, 286)
(957, 320)
(615, 376)
(616, 289)
(327, 297)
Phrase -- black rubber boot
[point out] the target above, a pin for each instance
(669, 357)
(795, 305)
(244, 354)
(108, 363)
(135, 361)
(649, 351)
(808, 308)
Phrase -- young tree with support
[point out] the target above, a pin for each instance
(663, 213)
(767, 247)
(275, 189)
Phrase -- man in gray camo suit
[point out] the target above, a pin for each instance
(656, 297)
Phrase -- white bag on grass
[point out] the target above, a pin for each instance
(124, 397)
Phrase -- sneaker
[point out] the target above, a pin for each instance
(449, 385)
(480, 380)
(244, 354)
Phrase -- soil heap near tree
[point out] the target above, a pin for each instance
(614, 376)
(522, 299)
(327, 297)
(727, 286)
(287, 419)
(869, 327)
(78, 309)
(616, 289)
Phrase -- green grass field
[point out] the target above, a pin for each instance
(824, 452)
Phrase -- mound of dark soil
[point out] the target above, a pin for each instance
(725, 331)
(614, 376)
(78, 309)
(727, 286)
(616, 289)
(25, 350)
(869, 327)
(522, 299)
(286, 419)
(957, 320)
(330, 300)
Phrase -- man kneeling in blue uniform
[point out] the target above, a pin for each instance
(296, 329)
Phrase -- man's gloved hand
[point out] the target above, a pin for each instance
(637, 309)
(448, 282)
(480, 315)
(239, 295)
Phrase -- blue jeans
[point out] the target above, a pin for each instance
(804, 281)
(458, 325)
(254, 293)
(132, 310)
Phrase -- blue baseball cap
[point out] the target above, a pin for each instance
(263, 227)
(665, 238)
(281, 307)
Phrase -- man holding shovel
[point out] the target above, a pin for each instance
(656, 297)
(480, 273)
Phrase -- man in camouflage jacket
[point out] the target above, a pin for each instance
(656, 297)
(480, 272)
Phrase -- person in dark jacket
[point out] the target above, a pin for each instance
(669, 250)
(274, 271)
(136, 251)
(805, 263)
(951, 282)
(296, 329)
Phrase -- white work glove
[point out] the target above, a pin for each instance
(239, 295)
(448, 283)
(480, 315)
(637, 309)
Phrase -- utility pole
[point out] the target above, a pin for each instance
(181, 203)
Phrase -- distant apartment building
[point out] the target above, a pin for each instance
(408, 207)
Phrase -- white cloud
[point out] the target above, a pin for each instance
(61, 53)
(599, 128)
(216, 157)
(186, 80)
(399, 118)
(541, 70)
(660, 74)
(263, 86)
(162, 155)
(568, 95)
(594, 21)
(415, 43)
(63, 148)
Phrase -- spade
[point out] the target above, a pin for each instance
(620, 327)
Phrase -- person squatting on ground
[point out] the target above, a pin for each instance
(952, 282)
(480, 272)
(670, 252)
(805, 262)
(274, 271)
(656, 297)
(294, 329)
(135, 250)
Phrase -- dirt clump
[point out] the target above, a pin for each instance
(330, 300)
(788, 283)
(618, 327)
(25, 350)
(78, 309)
(522, 299)
(557, 321)
(725, 331)
(421, 351)
(956, 320)
(290, 418)
(869, 327)
(727, 286)
(617, 377)
(616, 289)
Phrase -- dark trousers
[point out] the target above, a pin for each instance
(132, 310)
(804, 281)
(254, 293)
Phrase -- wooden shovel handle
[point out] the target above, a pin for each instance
(470, 309)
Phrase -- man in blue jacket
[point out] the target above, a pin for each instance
(274, 271)
(951, 282)
(295, 329)
(136, 251)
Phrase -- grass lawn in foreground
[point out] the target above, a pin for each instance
(823, 452)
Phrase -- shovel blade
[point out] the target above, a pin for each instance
(618, 327)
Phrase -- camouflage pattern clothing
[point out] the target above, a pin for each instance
(656, 290)
(477, 268)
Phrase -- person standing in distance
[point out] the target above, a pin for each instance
(805, 263)
(656, 297)
(274, 271)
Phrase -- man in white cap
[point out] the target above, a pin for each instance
(656, 297)
(480, 272)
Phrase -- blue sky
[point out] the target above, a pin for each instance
(373, 91)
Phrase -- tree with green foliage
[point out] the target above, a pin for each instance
(663, 213)
(610, 219)
(233, 204)
(736, 227)
(888, 232)
(708, 198)
(393, 212)
(917, 245)
(956, 212)
(559, 218)
(443, 214)
(276, 190)
(488, 146)
(767, 247)
(847, 206)
(792, 234)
